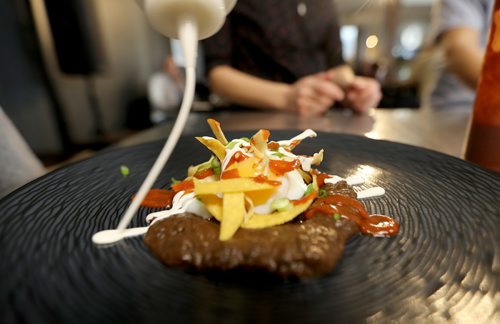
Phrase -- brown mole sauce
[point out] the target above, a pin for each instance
(291, 250)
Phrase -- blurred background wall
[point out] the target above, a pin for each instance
(55, 108)
(386, 39)
(60, 107)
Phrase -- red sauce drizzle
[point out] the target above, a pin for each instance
(273, 146)
(379, 225)
(280, 167)
(375, 225)
(186, 185)
(263, 179)
(266, 133)
(321, 177)
(204, 173)
(325, 209)
(302, 200)
(158, 198)
(294, 143)
(236, 158)
(230, 174)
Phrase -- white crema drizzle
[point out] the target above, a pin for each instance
(305, 134)
(232, 151)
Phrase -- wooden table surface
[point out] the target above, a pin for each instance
(440, 130)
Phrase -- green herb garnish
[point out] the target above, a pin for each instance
(215, 164)
(281, 204)
(231, 145)
(309, 189)
(322, 193)
(204, 166)
(337, 216)
(124, 170)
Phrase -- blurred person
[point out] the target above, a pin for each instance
(165, 89)
(19, 164)
(285, 55)
(460, 33)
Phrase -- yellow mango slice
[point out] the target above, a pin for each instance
(246, 168)
(233, 213)
(259, 197)
(214, 146)
(230, 185)
(278, 218)
(213, 205)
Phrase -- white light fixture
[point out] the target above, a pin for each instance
(372, 41)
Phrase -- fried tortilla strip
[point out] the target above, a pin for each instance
(259, 143)
(217, 130)
(215, 146)
(231, 185)
(233, 213)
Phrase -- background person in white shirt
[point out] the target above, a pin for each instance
(460, 31)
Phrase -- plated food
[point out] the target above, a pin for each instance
(254, 205)
(49, 260)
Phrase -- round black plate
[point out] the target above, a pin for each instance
(443, 266)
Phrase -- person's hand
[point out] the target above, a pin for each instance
(313, 95)
(341, 75)
(362, 94)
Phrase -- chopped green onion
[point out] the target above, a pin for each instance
(124, 170)
(322, 193)
(204, 166)
(309, 189)
(281, 204)
(246, 139)
(278, 154)
(231, 145)
(337, 216)
(215, 164)
(174, 181)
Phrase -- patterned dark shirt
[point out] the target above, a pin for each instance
(279, 40)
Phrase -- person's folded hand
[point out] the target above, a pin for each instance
(363, 94)
(313, 95)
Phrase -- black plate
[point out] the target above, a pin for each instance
(443, 266)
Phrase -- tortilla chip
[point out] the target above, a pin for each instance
(217, 130)
(259, 143)
(233, 214)
(215, 146)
